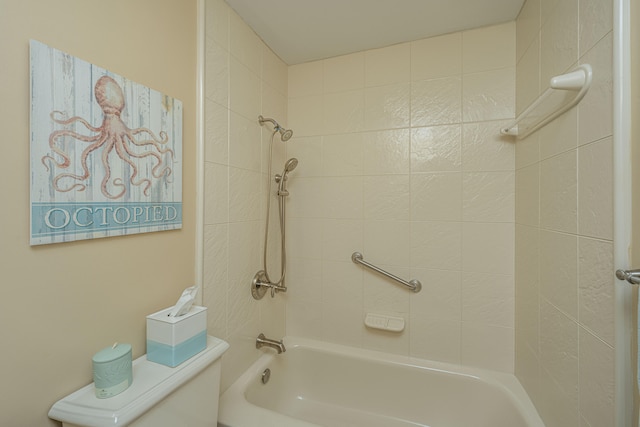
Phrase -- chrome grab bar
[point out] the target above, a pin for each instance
(414, 284)
(631, 276)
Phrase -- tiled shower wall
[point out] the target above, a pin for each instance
(243, 80)
(564, 219)
(401, 159)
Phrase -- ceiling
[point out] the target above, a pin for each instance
(306, 30)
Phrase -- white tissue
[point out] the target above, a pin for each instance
(185, 302)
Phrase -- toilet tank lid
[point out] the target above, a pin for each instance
(152, 382)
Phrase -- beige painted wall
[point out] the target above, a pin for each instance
(59, 304)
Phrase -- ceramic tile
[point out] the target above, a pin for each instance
(436, 196)
(387, 197)
(597, 386)
(559, 350)
(341, 238)
(344, 112)
(344, 73)
(306, 115)
(488, 248)
(436, 148)
(244, 143)
(388, 65)
(216, 133)
(476, 352)
(485, 149)
(489, 95)
(436, 102)
(387, 152)
(385, 242)
(559, 270)
(244, 43)
(596, 288)
(558, 192)
(559, 40)
(342, 154)
(489, 48)
(387, 107)
(488, 196)
(436, 245)
(595, 111)
(595, 189)
(342, 197)
(216, 198)
(527, 26)
(244, 91)
(436, 57)
(528, 196)
(441, 294)
(306, 79)
(217, 74)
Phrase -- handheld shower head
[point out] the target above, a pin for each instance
(290, 165)
(285, 134)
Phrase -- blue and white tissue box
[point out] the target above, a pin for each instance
(172, 340)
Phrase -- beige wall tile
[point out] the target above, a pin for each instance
(388, 65)
(527, 27)
(436, 148)
(489, 95)
(436, 102)
(596, 288)
(436, 196)
(488, 196)
(484, 149)
(344, 73)
(436, 57)
(527, 204)
(597, 387)
(387, 107)
(387, 152)
(488, 248)
(595, 189)
(559, 270)
(306, 79)
(488, 48)
(558, 192)
(344, 112)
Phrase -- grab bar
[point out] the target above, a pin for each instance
(414, 284)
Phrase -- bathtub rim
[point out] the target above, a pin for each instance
(237, 410)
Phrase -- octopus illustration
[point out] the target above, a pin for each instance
(130, 145)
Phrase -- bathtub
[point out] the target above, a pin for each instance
(321, 384)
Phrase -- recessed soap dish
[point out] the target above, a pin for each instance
(385, 323)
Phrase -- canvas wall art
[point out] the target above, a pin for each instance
(106, 152)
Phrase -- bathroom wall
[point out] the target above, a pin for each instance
(244, 79)
(61, 303)
(401, 159)
(564, 219)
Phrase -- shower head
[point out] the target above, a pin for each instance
(290, 165)
(285, 134)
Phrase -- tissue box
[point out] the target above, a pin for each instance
(172, 340)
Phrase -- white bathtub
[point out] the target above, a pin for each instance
(316, 383)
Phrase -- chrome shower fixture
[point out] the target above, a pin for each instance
(261, 281)
(281, 179)
(285, 134)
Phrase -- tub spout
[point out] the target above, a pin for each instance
(262, 341)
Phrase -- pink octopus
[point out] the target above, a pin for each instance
(113, 134)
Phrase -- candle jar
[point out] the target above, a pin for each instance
(112, 370)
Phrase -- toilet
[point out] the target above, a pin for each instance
(159, 396)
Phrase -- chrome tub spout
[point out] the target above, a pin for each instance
(262, 341)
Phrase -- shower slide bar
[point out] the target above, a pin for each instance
(553, 102)
(414, 284)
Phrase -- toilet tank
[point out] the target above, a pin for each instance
(159, 395)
